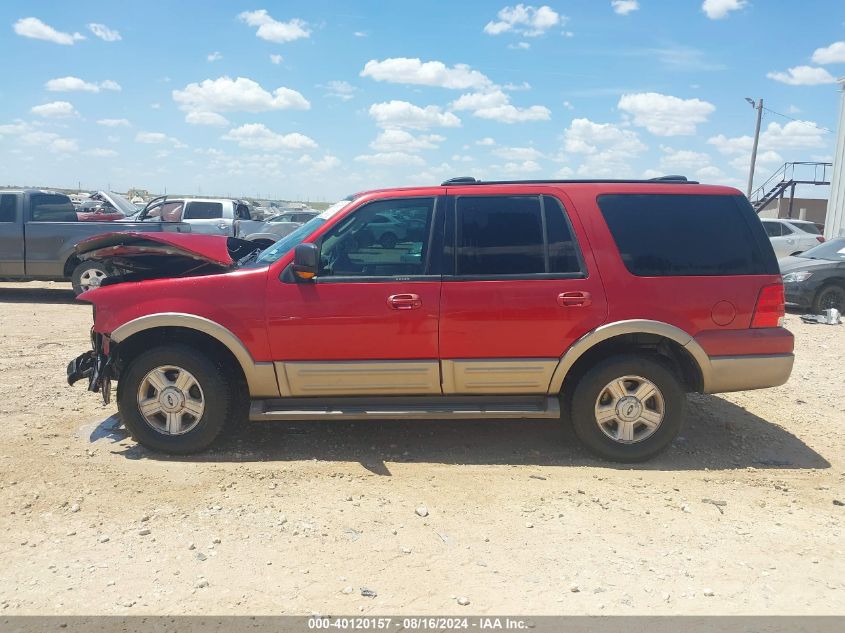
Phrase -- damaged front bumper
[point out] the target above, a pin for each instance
(96, 365)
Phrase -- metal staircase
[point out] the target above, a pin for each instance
(787, 177)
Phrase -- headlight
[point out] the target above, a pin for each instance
(791, 278)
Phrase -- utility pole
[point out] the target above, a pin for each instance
(759, 107)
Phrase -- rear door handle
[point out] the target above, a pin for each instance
(574, 299)
(404, 301)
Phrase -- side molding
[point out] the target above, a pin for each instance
(632, 326)
(260, 377)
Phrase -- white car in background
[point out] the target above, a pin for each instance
(790, 237)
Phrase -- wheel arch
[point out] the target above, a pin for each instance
(665, 339)
(260, 377)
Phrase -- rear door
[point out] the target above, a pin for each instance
(519, 288)
(11, 235)
(209, 217)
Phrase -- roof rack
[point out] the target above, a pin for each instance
(469, 180)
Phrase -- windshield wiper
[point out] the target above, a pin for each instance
(247, 258)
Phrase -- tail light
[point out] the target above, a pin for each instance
(770, 308)
(820, 238)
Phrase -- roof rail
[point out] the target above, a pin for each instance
(670, 178)
(468, 180)
(461, 180)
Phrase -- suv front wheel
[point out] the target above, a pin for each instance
(628, 408)
(174, 399)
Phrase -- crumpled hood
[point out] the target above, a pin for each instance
(134, 256)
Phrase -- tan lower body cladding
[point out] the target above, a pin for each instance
(365, 378)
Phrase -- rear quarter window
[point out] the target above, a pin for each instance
(660, 235)
(203, 211)
(48, 207)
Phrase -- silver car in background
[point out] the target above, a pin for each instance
(206, 216)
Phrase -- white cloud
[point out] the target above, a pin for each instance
(104, 32)
(114, 122)
(718, 9)
(486, 142)
(519, 46)
(56, 110)
(274, 31)
(64, 145)
(518, 153)
(75, 84)
(37, 30)
(405, 70)
(100, 152)
(403, 141)
(607, 148)
(524, 167)
(342, 90)
(803, 76)
(525, 20)
(276, 59)
(215, 56)
(390, 159)
(228, 95)
(624, 7)
(397, 114)
(259, 136)
(157, 138)
(326, 163)
(682, 160)
(770, 158)
(833, 54)
(206, 118)
(495, 105)
(665, 115)
(795, 135)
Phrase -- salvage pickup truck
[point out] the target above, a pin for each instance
(39, 231)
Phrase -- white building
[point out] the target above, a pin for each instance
(835, 221)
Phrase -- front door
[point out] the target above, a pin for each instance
(518, 290)
(209, 218)
(367, 323)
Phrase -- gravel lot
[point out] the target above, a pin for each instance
(743, 515)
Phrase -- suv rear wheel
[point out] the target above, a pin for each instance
(174, 399)
(628, 408)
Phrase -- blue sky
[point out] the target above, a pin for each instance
(322, 98)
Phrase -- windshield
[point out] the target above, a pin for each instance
(834, 250)
(288, 242)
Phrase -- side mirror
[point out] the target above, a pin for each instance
(306, 259)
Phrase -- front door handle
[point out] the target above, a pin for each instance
(574, 299)
(404, 301)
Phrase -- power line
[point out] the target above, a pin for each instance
(818, 127)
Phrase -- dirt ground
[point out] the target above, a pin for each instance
(742, 515)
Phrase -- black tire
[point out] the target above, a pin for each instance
(388, 240)
(78, 276)
(221, 399)
(830, 296)
(591, 386)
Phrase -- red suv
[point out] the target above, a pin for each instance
(603, 302)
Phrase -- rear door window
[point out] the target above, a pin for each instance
(684, 235)
(51, 207)
(203, 211)
(513, 235)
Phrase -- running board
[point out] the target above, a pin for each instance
(413, 407)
